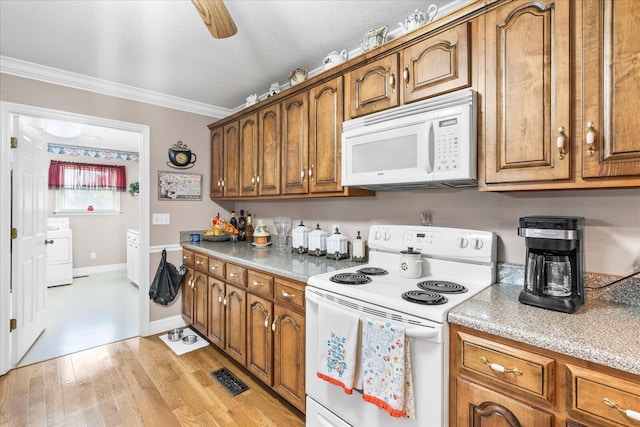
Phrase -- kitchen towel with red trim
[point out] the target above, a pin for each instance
(338, 345)
(386, 368)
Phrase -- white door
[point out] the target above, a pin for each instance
(29, 266)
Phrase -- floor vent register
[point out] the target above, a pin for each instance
(229, 381)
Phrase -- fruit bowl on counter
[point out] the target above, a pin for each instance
(217, 237)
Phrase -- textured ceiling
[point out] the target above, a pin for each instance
(163, 46)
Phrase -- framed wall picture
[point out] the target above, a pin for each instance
(179, 186)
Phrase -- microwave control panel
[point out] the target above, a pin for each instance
(448, 132)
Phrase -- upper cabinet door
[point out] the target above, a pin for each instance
(437, 65)
(231, 160)
(249, 155)
(528, 92)
(611, 88)
(373, 87)
(325, 140)
(269, 138)
(295, 141)
(217, 162)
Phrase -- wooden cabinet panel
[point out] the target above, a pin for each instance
(249, 155)
(260, 283)
(200, 302)
(325, 143)
(236, 323)
(527, 91)
(372, 87)
(588, 391)
(288, 356)
(437, 65)
(187, 296)
(477, 406)
(216, 312)
(217, 163)
(236, 274)
(216, 268)
(260, 338)
(611, 88)
(188, 258)
(269, 138)
(295, 144)
(289, 292)
(230, 182)
(201, 262)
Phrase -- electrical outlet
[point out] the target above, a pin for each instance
(161, 219)
(93, 255)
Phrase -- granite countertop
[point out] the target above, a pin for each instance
(271, 260)
(602, 331)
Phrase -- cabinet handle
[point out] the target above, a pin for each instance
(48, 242)
(560, 142)
(634, 415)
(273, 324)
(223, 181)
(233, 275)
(392, 82)
(302, 174)
(213, 268)
(266, 321)
(198, 262)
(591, 138)
(311, 173)
(257, 284)
(287, 295)
(225, 300)
(220, 299)
(185, 256)
(405, 76)
(500, 368)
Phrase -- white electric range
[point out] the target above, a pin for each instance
(456, 264)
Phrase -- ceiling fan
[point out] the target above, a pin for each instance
(216, 17)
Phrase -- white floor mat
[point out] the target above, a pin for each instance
(179, 347)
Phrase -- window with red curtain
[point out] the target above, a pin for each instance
(86, 176)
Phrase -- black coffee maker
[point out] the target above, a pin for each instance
(554, 271)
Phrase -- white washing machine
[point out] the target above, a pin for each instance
(59, 252)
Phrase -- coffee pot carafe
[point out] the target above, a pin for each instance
(554, 270)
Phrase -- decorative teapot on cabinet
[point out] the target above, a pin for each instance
(374, 38)
(297, 76)
(334, 58)
(418, 18)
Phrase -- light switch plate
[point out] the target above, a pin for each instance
(161, 219)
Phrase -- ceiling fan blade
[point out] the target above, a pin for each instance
(216, 17)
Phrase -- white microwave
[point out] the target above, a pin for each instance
(428, 144)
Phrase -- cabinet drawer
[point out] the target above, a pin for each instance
(260, 282)
(201, 262)
(525, 371)
(290, 292)
(216, 268)
(236, 274)
(188, 258)
(588, 390)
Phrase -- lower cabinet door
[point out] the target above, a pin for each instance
(187, 296)
(480, 407)
(288, 371)
(200, 302)
(216, 312)
(260, 338)
(236, 324)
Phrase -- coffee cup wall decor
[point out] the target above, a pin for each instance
(180, 156)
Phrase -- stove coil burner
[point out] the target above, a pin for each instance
(350, 279)
(424, 297)
(373, 271)
(442, 287)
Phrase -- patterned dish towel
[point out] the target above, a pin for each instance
(386, 368)
(337, 346)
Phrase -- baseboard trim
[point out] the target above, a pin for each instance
(163, 325)
(86, 271)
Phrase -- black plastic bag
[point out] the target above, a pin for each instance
(166, 284)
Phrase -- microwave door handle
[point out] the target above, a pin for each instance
(431, 148)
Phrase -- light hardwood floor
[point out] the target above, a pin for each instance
(136, 382)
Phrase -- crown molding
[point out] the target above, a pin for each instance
(56, 76)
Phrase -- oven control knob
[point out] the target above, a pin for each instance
(477, 244)
(378, 235)
(463, 242)
(387, 235)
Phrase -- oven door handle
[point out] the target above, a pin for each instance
(421, 333)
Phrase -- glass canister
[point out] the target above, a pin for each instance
(300, 239)
(337, 246)
(318, 242)
(359, 249)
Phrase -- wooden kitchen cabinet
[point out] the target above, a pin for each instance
(288, 356)
(217, 314)
(260, 338)
(269, 141)
(200, 287)
(497, 381)
(231, 178)
(295, 144)
(611, 90)
(187, 296)
(437, 65)
(527, 93)
(372, 87)
(217, 163)
(325, 137)
(236, 323)
(248, 143)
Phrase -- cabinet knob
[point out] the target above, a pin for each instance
(634, 415)
(392, 82)
(405, 76)
(257, 284)
(500, 368)
(225, 300)
(287, 295)
(273, 324)
(266, 321)
(561, 141)
(591, 138)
